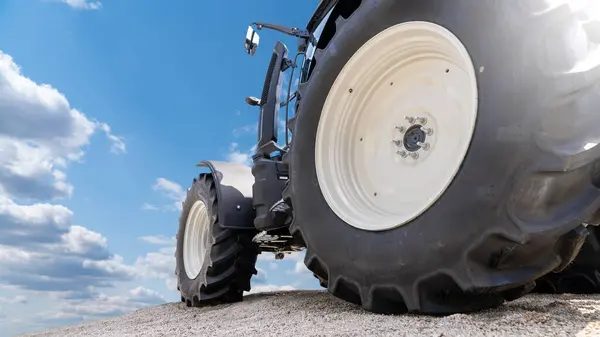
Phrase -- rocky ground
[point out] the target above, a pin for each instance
(316, 313)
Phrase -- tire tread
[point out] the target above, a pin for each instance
(447, 291)
(233, 257)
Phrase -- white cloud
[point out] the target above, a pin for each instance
(118, 143)
(41, 251)
(158, 239)
(260, 277)
(99, 305)
(84, 242)
(266, 256)
(56, 268)
(170, 190)
(300, 268)
(148, 207)
(245, 130)
(143, 295)
(19, 299)
(237, 156)
(159, 264)
(32, 224)
(83, 4)
(40, 133)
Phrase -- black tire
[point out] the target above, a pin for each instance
(580, 277)
(514, 211)
(233, 254)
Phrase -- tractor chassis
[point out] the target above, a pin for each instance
(261, 208)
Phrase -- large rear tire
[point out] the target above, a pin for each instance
(213, 265)
(519, 175)
(580, 277)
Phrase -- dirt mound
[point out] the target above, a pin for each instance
(312, 313)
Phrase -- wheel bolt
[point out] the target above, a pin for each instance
(422, 120)
(401, 129)
(397, 142)
(425, 146)
(428, 131)
(402, 154)
(411, 120)
(414, 155)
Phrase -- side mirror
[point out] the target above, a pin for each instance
(252, 40)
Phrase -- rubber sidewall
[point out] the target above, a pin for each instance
(503, 153)
(190, 287)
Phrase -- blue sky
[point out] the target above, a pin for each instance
(105, 108)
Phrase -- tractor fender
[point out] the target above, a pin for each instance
(233, 182)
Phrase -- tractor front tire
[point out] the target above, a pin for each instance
(444, 153)
(213, 265)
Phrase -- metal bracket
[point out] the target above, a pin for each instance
(292, 31)
(277, 244)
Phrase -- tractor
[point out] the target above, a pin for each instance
(441, 159)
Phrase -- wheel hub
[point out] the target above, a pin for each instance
(418, 84)
(197, 240)
(414, 138)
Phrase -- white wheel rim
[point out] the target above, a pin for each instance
(196, 240)
(414, 69)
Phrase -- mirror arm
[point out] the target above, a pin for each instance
(301, 33)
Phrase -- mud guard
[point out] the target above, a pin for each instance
(234, 193)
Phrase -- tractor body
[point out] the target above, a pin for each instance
(264, 209)
(444, 158)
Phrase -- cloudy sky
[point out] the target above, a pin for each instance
(105, 108)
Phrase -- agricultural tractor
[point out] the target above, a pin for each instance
(441, 158)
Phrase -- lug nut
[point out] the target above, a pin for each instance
(401, 129)
(425, 146)
(402, 154)
(411, 120)
(428, 131)
(422, 120)
(414, 155)
(397, 142)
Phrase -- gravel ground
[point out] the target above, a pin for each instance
(316, 313)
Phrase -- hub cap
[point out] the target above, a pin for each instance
(197, 240)
(396, 126)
